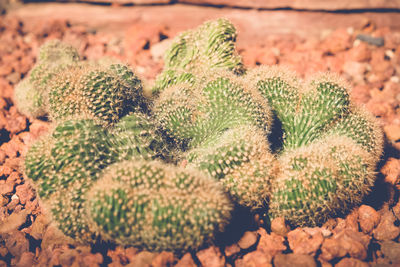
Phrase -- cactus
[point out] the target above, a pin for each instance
(156, 206)
(136, 136)
(210, 46)
(56, 52)
(32, 92)
(330, 147)
(104, 93)
(321, 180)
(241, 160)
(76, 150)
(99, 173)
(217, 102)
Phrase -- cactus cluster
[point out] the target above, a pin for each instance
(60, 85)
(166, 175)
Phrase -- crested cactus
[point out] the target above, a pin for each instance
(330, 147)
(76, 150)
(321, 180)
(102, 176)
(55, 52)
(136, 136)
(156, 206)
(216, 102)
(210, 46)
(32, 92)
(105, 93)
(240, 159)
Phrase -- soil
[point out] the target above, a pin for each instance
(366, 55)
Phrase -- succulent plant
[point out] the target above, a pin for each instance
(105, 93)
(156, 206)
(216, 102)
(100, 175)
(330, 147)
(240, 159)
(211, 45)
(321, 180)
(77, 149)
(32, 92)
(136, 136)
(56, 52)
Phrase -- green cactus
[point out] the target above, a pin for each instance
(304, 110)
(56, 52)
(104, 93)
(330, 148)
(76, 150)
(211, 46)
(31, 94)
(156, 206)
(320, 180)
(136, 136)
(241, 160)
(217, 102)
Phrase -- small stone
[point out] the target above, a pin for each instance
(290, 260)
(351, 262)
(38, 128)
(12, 222)
(386, 230)
(143, 259)
(355, 69)
(16, 243)
(391, 251)
(368, 218)
(392, 132)
(2, 156)
(247, 240)
(163, 259)
(186, 261)
(27, 259)
(6, 188)
(25, 193)
(39, 226)
(3, 251)
(345, 242)
(360, 52)
(279, 226)
(271, 244)
(211, 257)
(302, 242)
(3, 201)
(231, 250)
(254, 259)
(391, 170)
(53, 237)
(92, 260)
(338, 41)
(158, 50)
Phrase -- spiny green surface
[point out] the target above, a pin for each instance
(76, 150)
(211, 46)
(105, 93)
(305, 113)
(31, 93)
(157, 206)
(136, 136)
(241, 160)
(55, 52)
(194, 114)
(320, 180)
